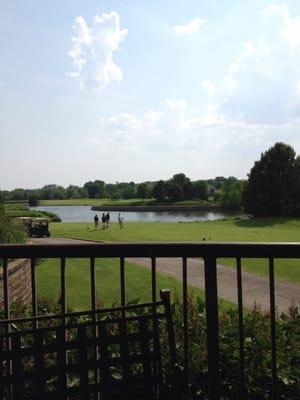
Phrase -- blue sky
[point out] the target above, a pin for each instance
(140, 90)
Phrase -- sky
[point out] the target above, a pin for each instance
(139, 90)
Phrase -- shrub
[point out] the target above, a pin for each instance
(257, 351)
(11, 231)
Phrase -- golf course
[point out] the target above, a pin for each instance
(139, 278)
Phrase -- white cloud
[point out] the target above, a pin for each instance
(175, 104)
(93, 49)
(190, 27)
(298, 88)
(254, 104)
(290, 29)
(208, 86)
(261, 84)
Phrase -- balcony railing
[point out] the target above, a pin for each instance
(209, 252)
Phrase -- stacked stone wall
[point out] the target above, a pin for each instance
(19, 282)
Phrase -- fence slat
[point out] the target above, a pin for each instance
(153, 278)
(185, 317)
(273, 329)
(211, 297)
(33, 291)
(241, 326)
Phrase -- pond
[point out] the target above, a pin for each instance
(84, 214)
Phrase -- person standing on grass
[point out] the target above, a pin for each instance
(96, 221)
(103, 221)
(120, 220)
(107, 219)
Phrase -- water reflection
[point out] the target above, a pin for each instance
(84, 214)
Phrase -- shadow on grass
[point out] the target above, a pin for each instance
(261, 222)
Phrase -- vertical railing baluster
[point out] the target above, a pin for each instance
(93, 285)
(6, 290)
(33, 292)
(6, 301)
(185, 318)
(94, 319)
(273, 328)
(155, 322)
(63, 305)
(211, 297)
(241, 326)
(63, 288)
(122, 284)
(153, 278)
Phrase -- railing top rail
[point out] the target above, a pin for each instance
(153, 249)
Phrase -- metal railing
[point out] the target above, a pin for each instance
(209, 252)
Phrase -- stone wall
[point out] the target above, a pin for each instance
(19, 282)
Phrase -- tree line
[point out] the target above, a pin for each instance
(178, 188)
(272, 188)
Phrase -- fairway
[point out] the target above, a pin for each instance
(78, 284)
(234, 230)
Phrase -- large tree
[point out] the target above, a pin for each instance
(95, 189)
(180, 187)
(160, 190)
(143, 190)
(269, 190)
(201, 190)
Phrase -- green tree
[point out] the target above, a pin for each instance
(95, 189)
(180, 187)
(294, 204)
(232, 194)
(143, 190)
(271, 183)
(73, 192)
(127, 190)
(201, 190)
(160, 190)
(18, 194)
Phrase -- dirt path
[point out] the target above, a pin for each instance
(255, 288)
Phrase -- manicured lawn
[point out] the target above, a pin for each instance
(121, 202)
(91, 202)
(235, 230)
(138, 281)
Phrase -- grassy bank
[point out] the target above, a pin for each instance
(21, 209)
(235, 230)
(121, 202)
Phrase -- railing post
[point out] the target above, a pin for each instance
(212, 318)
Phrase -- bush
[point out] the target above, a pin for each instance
(257, 349)
(11, 231)
(257, 352)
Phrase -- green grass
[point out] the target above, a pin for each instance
(234, 230)
(138, 281)
(18, 206)
(21, 209)
(88, 202)
(120, 202)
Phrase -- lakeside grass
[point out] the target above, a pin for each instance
(21, 209)
(229, 230)
(120, 202)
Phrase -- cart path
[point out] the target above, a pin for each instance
(255, 287)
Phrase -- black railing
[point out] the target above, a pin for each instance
(209, 252)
